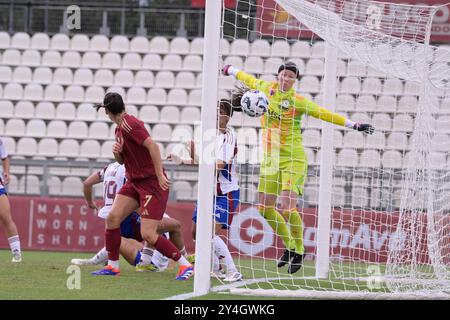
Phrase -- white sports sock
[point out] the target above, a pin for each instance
(183, 261)
(146, 255)
(222, 251)
(102, 255)
(114, 263)
(14, 244)
(183, 251)
(216, 262)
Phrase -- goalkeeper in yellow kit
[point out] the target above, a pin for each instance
(284, 165)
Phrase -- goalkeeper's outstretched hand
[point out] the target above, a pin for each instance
(225, 69)
(366, 128)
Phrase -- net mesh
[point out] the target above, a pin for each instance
(390, 190)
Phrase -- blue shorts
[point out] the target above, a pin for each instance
(3, 192)
(131, 227)
(226, 206)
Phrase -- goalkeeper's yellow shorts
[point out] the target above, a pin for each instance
(290, 175)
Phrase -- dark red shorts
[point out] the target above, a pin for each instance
(151, 198)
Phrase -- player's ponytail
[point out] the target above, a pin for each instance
(236, 96)
(113, 102)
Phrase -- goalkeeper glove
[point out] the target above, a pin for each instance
(367, 128)
(229, 70)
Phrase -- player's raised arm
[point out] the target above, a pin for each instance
(249, 80)
(318, 112)
(153, 149)
(88, 183)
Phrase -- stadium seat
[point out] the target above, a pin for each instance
(26, 147)
(301, 49)
(397, 140)
(440, 143)
(36, 128)
(370, 159)
(185, 80)
(139, 44)
(2, 126)
(93, 60)
(103, 77)
(10, 144)
(309, 84)
(94, 94)
(345, 102)
(63, 76)
(360, 197)
(144, 79)
(347, 158)
(106, 149)
(412, 88)
(356, 68)
(31, 184)
(393, 87)
(40, 41)
(152, 62)
(149, 114)
(31, 58)
(234, 61)
(65, 111)
(22, 75)
(7, 108)
(132, 61)
(47, 147)
(408, 104)
(314, 67)
(350, 85)
(177, 97)
(83, 77)
(443, 124)
(4, 40)
(371, 86)
(42, 75)
(402, 122)
(54, 186)
(99, 130)
(99, 43)
(69, 148)
(85, 112)
(312, 123)
(371, 72)
(132, 109)
(271, 65)
(226, 83)
(119, 43)
(124, 78)
(164, 79)
(311, 196)
(260, 48)
(71, 186)
(437, 160)
(386, 104)
(169, 114)
(13, 91)
(195, 98)
(24, 110)
(15, 128)
(20, 40)
(311, 138)
(119, 90)
(11, 57)
(193, 63)
(224, 47)
(5, 74)
(240, 47)
(197, 46)
(15, 186)
(77, 129)
(382, 121)
(182, 132)
(80, 42)
(33, 92)
(159, 45)
(90, 149)
(318, 49)
(353, 139)
(162, 132)
(254, 65)
(392, 159)
(45, 110)
(71, 59)
(74, 93)
(179, 45)
(60, 42)
(52, 59)
(111, 60)
(183, 190)
(280, 48)
(136, 95)
(190, 115)
(365, 103)
(56, 129)
(157, 96)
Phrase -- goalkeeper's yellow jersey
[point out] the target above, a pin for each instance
(282, 123)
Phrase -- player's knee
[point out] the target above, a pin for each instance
(112, 221)
(150, 237)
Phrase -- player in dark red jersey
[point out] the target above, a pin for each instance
(147, 188)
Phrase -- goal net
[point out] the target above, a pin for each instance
(387, 234)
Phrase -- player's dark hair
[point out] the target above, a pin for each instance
(236, 96)
(291, 66)
(113, 102)
(226, 107)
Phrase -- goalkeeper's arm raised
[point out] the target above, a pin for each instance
(318, 112)
(249, 80)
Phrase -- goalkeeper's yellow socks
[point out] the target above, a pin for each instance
(276, 221)
(296, 224)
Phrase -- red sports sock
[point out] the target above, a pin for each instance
(167, 248)
(112, 241)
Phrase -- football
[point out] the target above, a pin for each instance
(254, 103)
